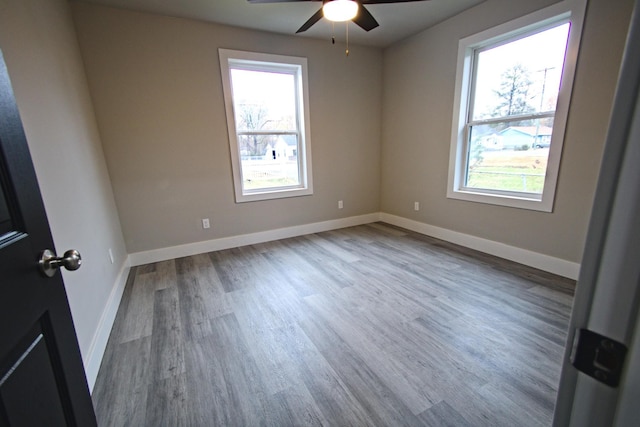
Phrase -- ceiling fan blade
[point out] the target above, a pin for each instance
(379, 1)
(276, 1)
(315, 18)
(365, 20)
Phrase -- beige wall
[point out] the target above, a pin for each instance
(156, 87)
(157, 92)
(419, 79)
(40, 48)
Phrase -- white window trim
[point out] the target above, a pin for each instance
(306, 185)
(568, 10)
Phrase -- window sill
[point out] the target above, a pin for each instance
(273, 194)
(529, 201)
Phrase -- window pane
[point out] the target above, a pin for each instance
(267, 108)
(269, 161)
(263, 100)
(509, 156)
(521, 77)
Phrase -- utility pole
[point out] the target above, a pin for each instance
(544, 85)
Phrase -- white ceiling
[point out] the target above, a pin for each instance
(397, 21)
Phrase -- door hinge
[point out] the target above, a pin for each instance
(599, 357)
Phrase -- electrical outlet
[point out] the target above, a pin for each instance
(111, 255)
(340, 204)
(416, 206)
(205, 223)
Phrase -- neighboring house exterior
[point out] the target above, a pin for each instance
(285, 148)
(530, 136)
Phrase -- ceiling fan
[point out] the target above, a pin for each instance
(341, 10)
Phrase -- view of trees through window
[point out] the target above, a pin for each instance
(515, 91)
(266, 125)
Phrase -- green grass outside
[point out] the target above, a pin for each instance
(502, 181)
(251, 184)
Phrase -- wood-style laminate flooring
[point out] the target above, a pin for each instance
(364, 326)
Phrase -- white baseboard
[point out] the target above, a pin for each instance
(101, 337)
(163, 254)
(537, 260)
(523, 256)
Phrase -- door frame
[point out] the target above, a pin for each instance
(608, 293)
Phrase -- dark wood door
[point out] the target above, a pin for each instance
(42, 380)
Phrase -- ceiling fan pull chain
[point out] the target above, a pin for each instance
(347, 25)
(333, 32)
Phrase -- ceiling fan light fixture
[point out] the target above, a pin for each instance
(340, 10)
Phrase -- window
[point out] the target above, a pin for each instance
(268, 123)
(511, 103)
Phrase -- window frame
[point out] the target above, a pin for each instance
(297, 66)
(571, 11)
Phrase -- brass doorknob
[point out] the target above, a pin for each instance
(49, 263)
